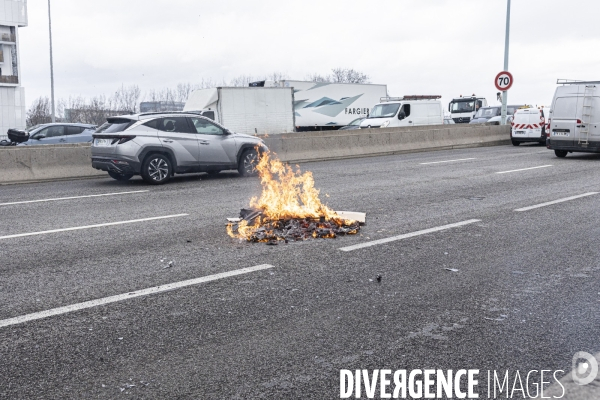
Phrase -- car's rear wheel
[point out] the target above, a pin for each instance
(561, 153)
(119, 177)
(515, 143)
(156, 169)
(248, 163)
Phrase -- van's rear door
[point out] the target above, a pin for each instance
(563, 129)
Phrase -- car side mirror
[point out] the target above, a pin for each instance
(401, 115)
(226, 132)
(39, 137)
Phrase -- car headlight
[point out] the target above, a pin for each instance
(385, 124)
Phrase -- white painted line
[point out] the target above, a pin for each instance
(73, 197)
(556, 201)
(90, 226)
(408, 235)
(447, 161)
(127, 296)
(523, 169)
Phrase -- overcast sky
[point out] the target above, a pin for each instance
(414, 46)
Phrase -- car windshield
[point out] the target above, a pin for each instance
(33, 128)
(115, 125)
(488, 112)
(356, 122)
(460, 106)
(384, 110)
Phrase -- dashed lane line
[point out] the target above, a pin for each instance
(72, 197)
(549, 203)
(523, 169)
(408, 235)
(446, 161)
(130, 295)
(76, 228)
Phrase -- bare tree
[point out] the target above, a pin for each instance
(315, 77)
(276, 76)
(348, 75)
(242, 80)
(126, 99)
(340, 75)
(39, 112)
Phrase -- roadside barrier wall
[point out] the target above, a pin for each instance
(52, 162)
(328, 145)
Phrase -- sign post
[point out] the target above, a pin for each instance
(506, 42)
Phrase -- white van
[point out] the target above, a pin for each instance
(575, 118)
(405, 111)
(528, 125)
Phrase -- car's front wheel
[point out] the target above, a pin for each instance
(119, 177)
(156, 169)
(561, 153)
(248, 163)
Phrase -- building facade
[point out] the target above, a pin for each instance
(13, 15)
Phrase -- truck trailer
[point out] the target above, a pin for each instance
(328, 106)
(249, 110)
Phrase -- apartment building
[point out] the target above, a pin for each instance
(13, 15)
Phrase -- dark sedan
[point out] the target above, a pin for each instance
(352, 125)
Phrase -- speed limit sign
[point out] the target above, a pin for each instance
(504, 81)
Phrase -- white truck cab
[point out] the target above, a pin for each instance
(463, 109)
(574, 123)
(415, 110)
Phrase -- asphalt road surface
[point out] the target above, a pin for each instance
(525, 296)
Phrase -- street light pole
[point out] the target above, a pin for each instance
(506, 42)
(51, 64)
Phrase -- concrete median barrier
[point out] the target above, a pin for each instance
(47, 162)
(52, 162)
(328, 145)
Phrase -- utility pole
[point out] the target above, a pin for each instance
(52, 65)
(506, 42)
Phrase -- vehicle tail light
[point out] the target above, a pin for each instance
(579, 121)
(122, 139)
(548, 128)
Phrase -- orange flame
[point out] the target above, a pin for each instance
(286, 194)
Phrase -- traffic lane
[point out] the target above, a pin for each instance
(105, 261)
(40, 216)
(289, 331)
(194, 197)
(55, 189)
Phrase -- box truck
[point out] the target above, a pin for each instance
(249, 110)
(325, 105)
(574, 121)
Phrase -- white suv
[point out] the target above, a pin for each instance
(159, 145)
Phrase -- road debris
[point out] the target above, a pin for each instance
(451, 269)
(379, 278)
(289, 209)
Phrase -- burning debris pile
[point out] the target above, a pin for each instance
(288, 209)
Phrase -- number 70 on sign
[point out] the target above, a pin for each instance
(503, 81)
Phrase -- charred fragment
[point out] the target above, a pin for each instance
(293, 229)
(289, 209)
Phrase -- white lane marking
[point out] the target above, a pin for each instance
(549, 203)
(408, 235)
(523, 169)
(447, 161)
(73, 197)
(130, 295)
(76, 228)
